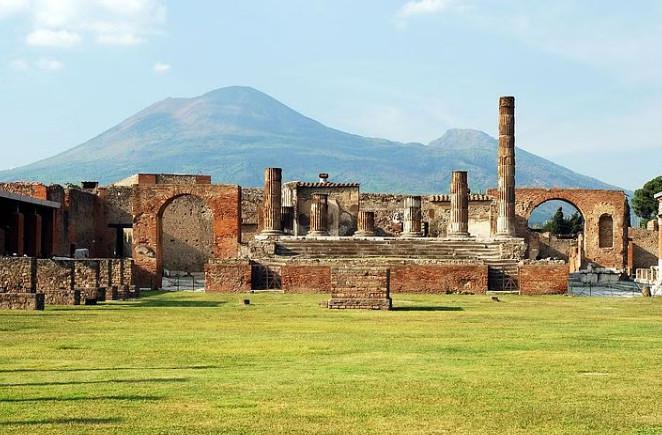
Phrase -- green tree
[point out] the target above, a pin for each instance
(576, 223)
(643, 202)
(558, 224)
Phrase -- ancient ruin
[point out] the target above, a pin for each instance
(89, 243)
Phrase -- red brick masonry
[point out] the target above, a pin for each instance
(228, 276)
(543, 279)
(439, 278)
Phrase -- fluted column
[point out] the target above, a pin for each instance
(271, 209)
(459, 222)
(506, 168)
(411, 226)
(319, 215)
(366, 224)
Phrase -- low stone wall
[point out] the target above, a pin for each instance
(306, 278)
(357, 287)
(17, 275)
(22, 301)
(62, 297)
(438, 279)
(543, 278)
(55, 275)
(228, 276)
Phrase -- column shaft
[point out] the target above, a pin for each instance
(271, 208)
(506, 168)
(459, 221)
(366, 224)
(412, 217)
(319, 215)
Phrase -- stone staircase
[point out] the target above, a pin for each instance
(438, 249)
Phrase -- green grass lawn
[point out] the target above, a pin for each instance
(204, 363)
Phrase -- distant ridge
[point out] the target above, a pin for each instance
(233, 133)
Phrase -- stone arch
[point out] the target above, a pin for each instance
(151, 200)
(544, 244)
(185, 226)
(591, 203)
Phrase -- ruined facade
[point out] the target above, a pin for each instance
(297, 236)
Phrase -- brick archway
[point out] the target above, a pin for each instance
(592, 204)
(149, 203)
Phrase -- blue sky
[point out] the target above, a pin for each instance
(586, 74)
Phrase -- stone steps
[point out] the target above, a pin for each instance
(413, 248)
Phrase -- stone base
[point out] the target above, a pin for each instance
(269, 235)
(62, 297)
(317, 234)
(458, 236)
(123, 293)
(360, 304)
(364, 234)
(111, 293)
(22, 301)
(411, 235)
(360, 287)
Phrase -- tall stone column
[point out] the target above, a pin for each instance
(459, 222)
(271, 209)
(319, 215)
(411, 225)
(506, 169)
(366, 224)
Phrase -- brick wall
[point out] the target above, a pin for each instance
(438, 279)
(228, 276)
(17, 275)
(643, 248)
(149, 203)
(543, 279)
(306, 279)
(356, 287)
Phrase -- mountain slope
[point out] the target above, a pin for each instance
(234, 133)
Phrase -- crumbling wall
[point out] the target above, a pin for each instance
(55, 274)
(228, 276)
(22, 301)
(251, 205)
(544, 278)
(439, 278)
(643, 248)
(17, 275)
(343, 206)
(547, 245)
(149, 203)
(31, 189)
(305, 278)
(80, 220)
(388, 210)
(593, 205)
(187, 234)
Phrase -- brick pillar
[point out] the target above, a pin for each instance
(459, 222)
(506, 168)
(319, 215)
(366, 224)
(271, 204)
(17, 234)
(411, 226)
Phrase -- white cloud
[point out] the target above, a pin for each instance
(11, 7)
(53, 38)
(47, 64)
(161, 68)
(422, 7)
(65, 23)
